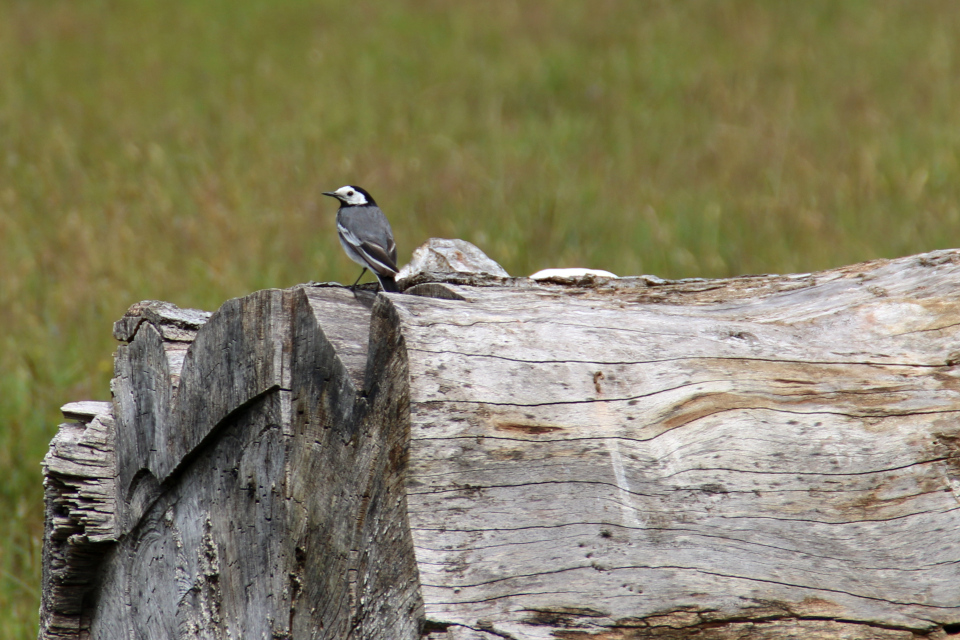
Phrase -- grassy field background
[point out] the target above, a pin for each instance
(176, 151)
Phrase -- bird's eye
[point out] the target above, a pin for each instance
(350, 193)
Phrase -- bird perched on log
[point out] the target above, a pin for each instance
(366, 235)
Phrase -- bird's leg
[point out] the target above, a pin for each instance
(354, 287)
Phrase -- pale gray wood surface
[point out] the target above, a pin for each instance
(618, 457)
(441, 255)
(490, 457)
(259, 487)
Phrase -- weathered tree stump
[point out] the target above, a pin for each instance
(485, 457)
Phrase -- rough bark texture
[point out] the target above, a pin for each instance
(80, 490)
(487, 457)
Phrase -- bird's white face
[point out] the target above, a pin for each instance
(349, 195)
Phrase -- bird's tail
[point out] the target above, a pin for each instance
(387, 283)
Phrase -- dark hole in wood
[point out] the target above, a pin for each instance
(952, 629)
(432, 626)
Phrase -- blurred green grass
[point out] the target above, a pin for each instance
(176, 151)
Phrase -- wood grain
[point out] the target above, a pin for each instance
(490, 457)
(257, 488)
(613, 458)
(80, 495)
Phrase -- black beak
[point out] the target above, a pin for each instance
(329, 193)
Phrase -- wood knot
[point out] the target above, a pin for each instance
(597, 377)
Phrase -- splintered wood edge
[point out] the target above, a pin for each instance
(85, 410)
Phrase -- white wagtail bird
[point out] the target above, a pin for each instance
(366, 235)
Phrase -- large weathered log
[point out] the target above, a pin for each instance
(487, 457)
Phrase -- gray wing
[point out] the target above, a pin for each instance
(367, 232)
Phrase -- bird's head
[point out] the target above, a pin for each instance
(350, 196)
